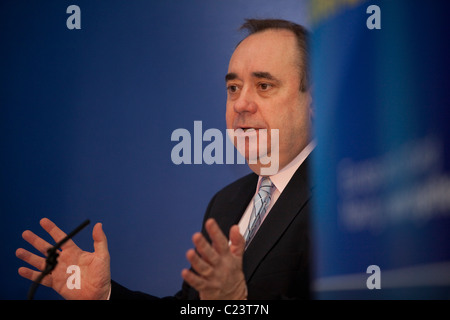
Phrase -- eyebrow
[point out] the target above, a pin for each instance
(231, 76)
(257, 74)
(264, 75)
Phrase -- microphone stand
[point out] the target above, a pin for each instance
(51, 261)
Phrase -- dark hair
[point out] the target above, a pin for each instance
(300, 32)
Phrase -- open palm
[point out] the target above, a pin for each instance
(94, 266)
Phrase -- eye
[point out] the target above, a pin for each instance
(264, 86)
(232, 88)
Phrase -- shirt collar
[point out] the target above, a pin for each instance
(282, 177)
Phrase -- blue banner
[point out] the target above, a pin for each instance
(382, 97)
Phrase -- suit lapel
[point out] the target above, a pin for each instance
(287, 207)
(231, 211)
(242, 198)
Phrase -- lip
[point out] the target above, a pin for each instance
(246, 131)
(246, 127)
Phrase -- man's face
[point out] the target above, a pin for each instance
(263, 84)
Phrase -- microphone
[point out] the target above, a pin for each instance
(52, 259)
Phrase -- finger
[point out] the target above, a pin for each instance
(30, 258)
(100, 241)
(33, 275)
(219, 241)
(56, 233)
(37, 242)
(198, 264)
(195, 281)
(205, 250)
(237, 246)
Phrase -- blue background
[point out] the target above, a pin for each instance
(86, 118)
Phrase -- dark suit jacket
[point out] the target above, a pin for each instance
(277, 262)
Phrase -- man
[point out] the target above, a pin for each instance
(267, 252)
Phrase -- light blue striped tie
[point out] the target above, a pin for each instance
(260, 204)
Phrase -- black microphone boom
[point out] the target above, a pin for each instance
(51, 261)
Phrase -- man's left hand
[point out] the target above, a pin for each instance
(218, 265)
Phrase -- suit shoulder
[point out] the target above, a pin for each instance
(245, 181)
(229, 203)
(236, 190)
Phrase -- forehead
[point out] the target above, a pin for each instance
(272, 51)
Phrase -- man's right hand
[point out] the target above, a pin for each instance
(94, 266)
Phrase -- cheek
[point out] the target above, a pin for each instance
(294, 124)
(229, 115)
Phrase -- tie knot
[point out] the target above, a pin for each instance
(266, 183)
(265, 188)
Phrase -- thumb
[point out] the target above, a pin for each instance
(100, 242)
(237, 246)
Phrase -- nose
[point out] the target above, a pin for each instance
(245, 102)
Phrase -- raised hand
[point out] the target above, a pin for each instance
(218, 265)
(94, 266)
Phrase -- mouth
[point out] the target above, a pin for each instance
(247, 129)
